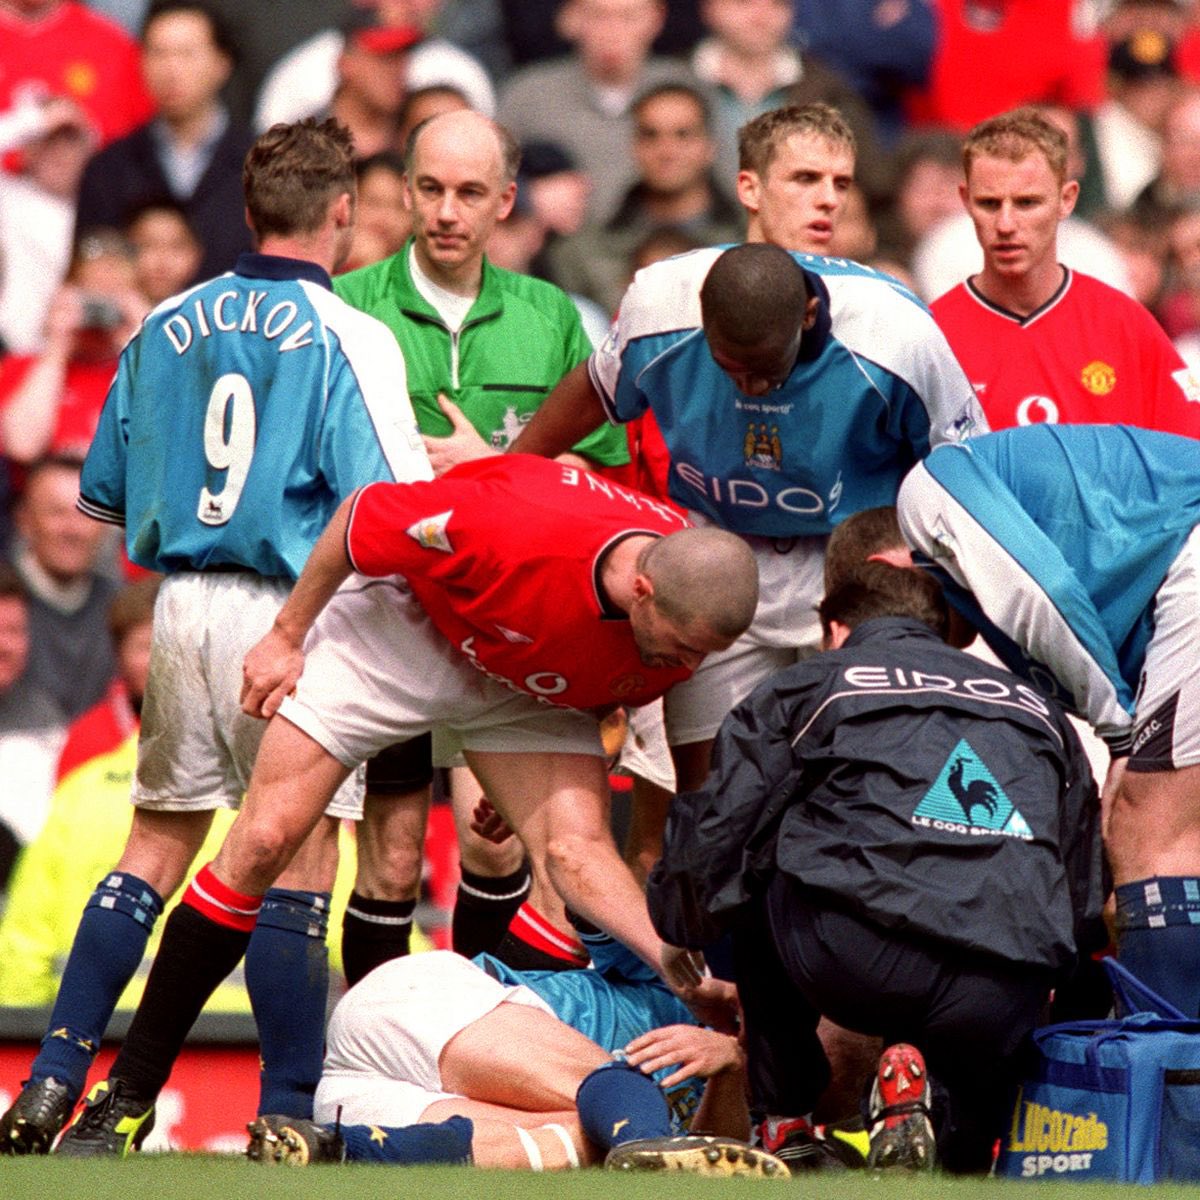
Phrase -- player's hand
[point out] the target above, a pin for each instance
(690, 1049)
(463, 445)
(715, 1003)
(269, 673)
(489, 824)
(682, 969)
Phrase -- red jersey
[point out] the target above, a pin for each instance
(79, 54)
(85, 388)
(1090, 355)
(993, 55)
(504, 555)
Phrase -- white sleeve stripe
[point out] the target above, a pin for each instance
(99, 512)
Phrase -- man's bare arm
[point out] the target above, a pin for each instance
(567, 416)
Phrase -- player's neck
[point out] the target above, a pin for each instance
(618, 569)
(1020, 295)
(319, 249)
(465, 279)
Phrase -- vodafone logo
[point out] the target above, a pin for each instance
(1037, 410)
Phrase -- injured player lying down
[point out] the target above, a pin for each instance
(435, 1058)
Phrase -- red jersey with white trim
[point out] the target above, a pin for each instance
(1090, 355)
(504, 555)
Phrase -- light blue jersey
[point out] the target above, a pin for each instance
(243, 412)
(875, 387)
(1054, 540)
(617, 999)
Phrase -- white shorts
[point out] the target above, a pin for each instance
(196, 747)
(785, 630)
(387, 1034)
(1167, 719)
(376, 672)
(645, 753)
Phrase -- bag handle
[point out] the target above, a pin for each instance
(1134, 996)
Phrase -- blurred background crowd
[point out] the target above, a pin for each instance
(123, 126)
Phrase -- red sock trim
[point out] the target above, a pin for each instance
(530, 927)
(220, 903)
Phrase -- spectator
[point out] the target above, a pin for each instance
(993, 55)
(50, 401)
(1124, 135)
(422, 103)
(37, 217)
(1144, 248)
(59, 49)
(582, 102)
(382, 221)
(263, 33)
(927, 170)
(70, 654)
(32, 729)
(192, 152)
(674, 150)
(748, 62)
(534, 33)
(1178, 180)
(881, 48)
(303, 82)
(166, 251)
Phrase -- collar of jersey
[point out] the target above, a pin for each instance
(813, 340)
(274, 266)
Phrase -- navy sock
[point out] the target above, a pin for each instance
(447, 1141)
(108, 947)
(1158, 936)
(374, 932)
(196, 953)
(617, 1103)
(287, 976)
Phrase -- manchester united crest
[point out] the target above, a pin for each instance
(1099, 378)
(626, 685)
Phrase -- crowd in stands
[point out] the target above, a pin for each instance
(124, 126)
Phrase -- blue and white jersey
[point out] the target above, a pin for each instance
(241, 414)
(1053, 540)
(875, 387)
(617, 999)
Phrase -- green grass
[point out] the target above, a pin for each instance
(201, 1177)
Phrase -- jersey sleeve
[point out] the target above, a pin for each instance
(423, 530)
(102, 480)
(606, 445)
(957, 513)
(369, 431)
(659, 306)
(1172, 388)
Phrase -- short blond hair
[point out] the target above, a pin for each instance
(759, 140)
(1015, 136)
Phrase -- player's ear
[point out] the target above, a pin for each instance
(1070, 194)
(343, 210)
(643, 587)
(748, 190)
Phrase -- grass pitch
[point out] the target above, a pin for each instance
(200, 1177)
